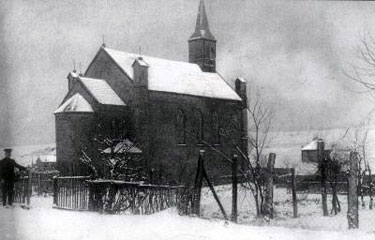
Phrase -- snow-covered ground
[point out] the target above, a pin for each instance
(309, 210)
(44, 222)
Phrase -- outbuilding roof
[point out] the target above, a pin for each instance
(125, 146)
(176, 77)
(75, 103)
(101, 91)
(313, 145)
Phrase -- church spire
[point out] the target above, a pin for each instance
(202, 29)
(202, 44)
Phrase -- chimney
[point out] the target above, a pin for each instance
(241, 90)
(140, 72)
(72, 78)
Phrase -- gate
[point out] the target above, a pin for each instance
(22, 190)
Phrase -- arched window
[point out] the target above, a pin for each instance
(200, 127)
(216, 128)
(212, 53)
(181, 127)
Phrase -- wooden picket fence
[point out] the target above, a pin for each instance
(71, 193)
(113, 196)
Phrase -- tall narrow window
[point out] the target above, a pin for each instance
(216, 128)
(181, 127)
(200, 132)
(212, 53)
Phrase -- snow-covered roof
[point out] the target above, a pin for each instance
(125, 146)
(101, 91)
(241, 79)
(75, 103)
(73, 74)
(47, 158)
(313, 145)
(141, 62)
(176, 77)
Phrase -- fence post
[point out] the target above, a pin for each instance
(91, 204)
(55, 191)
(294, 193)
(29, 187)
(234, 188)
(370, 188)
(353, 192)
(198, 184)
(322, 163)
(269, 185)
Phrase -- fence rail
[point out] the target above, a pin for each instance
(315, 187)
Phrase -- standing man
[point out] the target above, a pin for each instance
(8, 176)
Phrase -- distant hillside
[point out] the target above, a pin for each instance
(25, 154)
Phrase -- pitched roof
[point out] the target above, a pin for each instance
(313, 145)
(176, 77)
(125, 146)
(202, 29)
(75, 103)
(101, 91)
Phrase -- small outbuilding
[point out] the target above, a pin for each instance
(310, 152)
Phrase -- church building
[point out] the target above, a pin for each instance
(171, 109)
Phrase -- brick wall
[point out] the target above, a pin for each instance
(72, 133)
(76, 132)
(173, 161)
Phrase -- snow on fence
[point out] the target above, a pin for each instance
(113, 196)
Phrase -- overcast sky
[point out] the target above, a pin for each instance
(293, 50)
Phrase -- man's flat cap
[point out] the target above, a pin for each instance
(7, 150)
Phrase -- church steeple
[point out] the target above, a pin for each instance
(202, 29)
(202, 44)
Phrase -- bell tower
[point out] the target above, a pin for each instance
(202, 44)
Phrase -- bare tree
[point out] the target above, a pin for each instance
(355, 140)
(112, 155)
(260, 119)
(363, 72)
